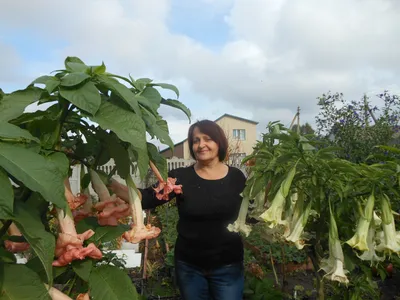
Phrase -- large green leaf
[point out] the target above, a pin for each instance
(6, 257)
(158, 160)
(50, 113)
(10, 131)
(152, 96)
(259, 183)
(20, 282)
(51, 82)
(108, 233)
(85, 97)
(141, 83)
(141, 157)
(60, 161)
(13, 105)
(119, 154)
(46, 130)
(73, 79)
(127, 125)
(122, 91)
(83, 268)
(130, 81)
(160, 130)
(77, 67)
(6, 196)
(86, 224)
(103, 157)
(42, 242)
(111, 283)
(35, 171)
(167, 86)
(75, 64)
(102, 233)
(179, 105)
(72, 59)
(90, 148)
(36, 265)
(99, 69)
(157, 127)
(36, 202)
(43, 79)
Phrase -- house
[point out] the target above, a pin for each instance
(241, 134)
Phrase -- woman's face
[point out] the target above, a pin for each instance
(204, 148)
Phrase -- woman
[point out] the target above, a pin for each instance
(208, 258)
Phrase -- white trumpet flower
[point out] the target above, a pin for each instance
(334, 264)
(359, 239)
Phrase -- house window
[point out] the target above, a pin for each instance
(239, 134)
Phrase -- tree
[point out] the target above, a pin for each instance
(304, 129)
(234, 154)
(357, 126)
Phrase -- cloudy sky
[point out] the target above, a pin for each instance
(257, 59)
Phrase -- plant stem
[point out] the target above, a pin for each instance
(156, 172)
(267, 189)
(146, 248)
(71, 286)
(273, 267)
(75, 157)
(64, 113)
(283, 268)
(312, 254)
(114, 169)
(5, 227)
(166, 246)
(96, 162)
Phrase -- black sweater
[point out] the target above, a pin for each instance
(205, 208)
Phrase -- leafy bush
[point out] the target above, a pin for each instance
(86, 117)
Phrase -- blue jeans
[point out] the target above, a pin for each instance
(223, 283)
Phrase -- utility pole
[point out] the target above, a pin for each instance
(296, 116)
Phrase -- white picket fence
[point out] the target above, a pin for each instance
(172, 164)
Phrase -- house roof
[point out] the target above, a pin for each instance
(223, 116)
(237, 118)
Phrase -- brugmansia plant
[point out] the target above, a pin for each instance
(86, 116)
(340, 212)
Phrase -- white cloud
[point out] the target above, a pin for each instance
(280, 54)
(8, 65)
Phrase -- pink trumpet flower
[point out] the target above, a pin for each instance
(85, 210)
(73, 201)
(56, 294)
(139, 231)
(110, 208)
(69, 244)
(15, 247)
(164, 188)
(84, 296)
